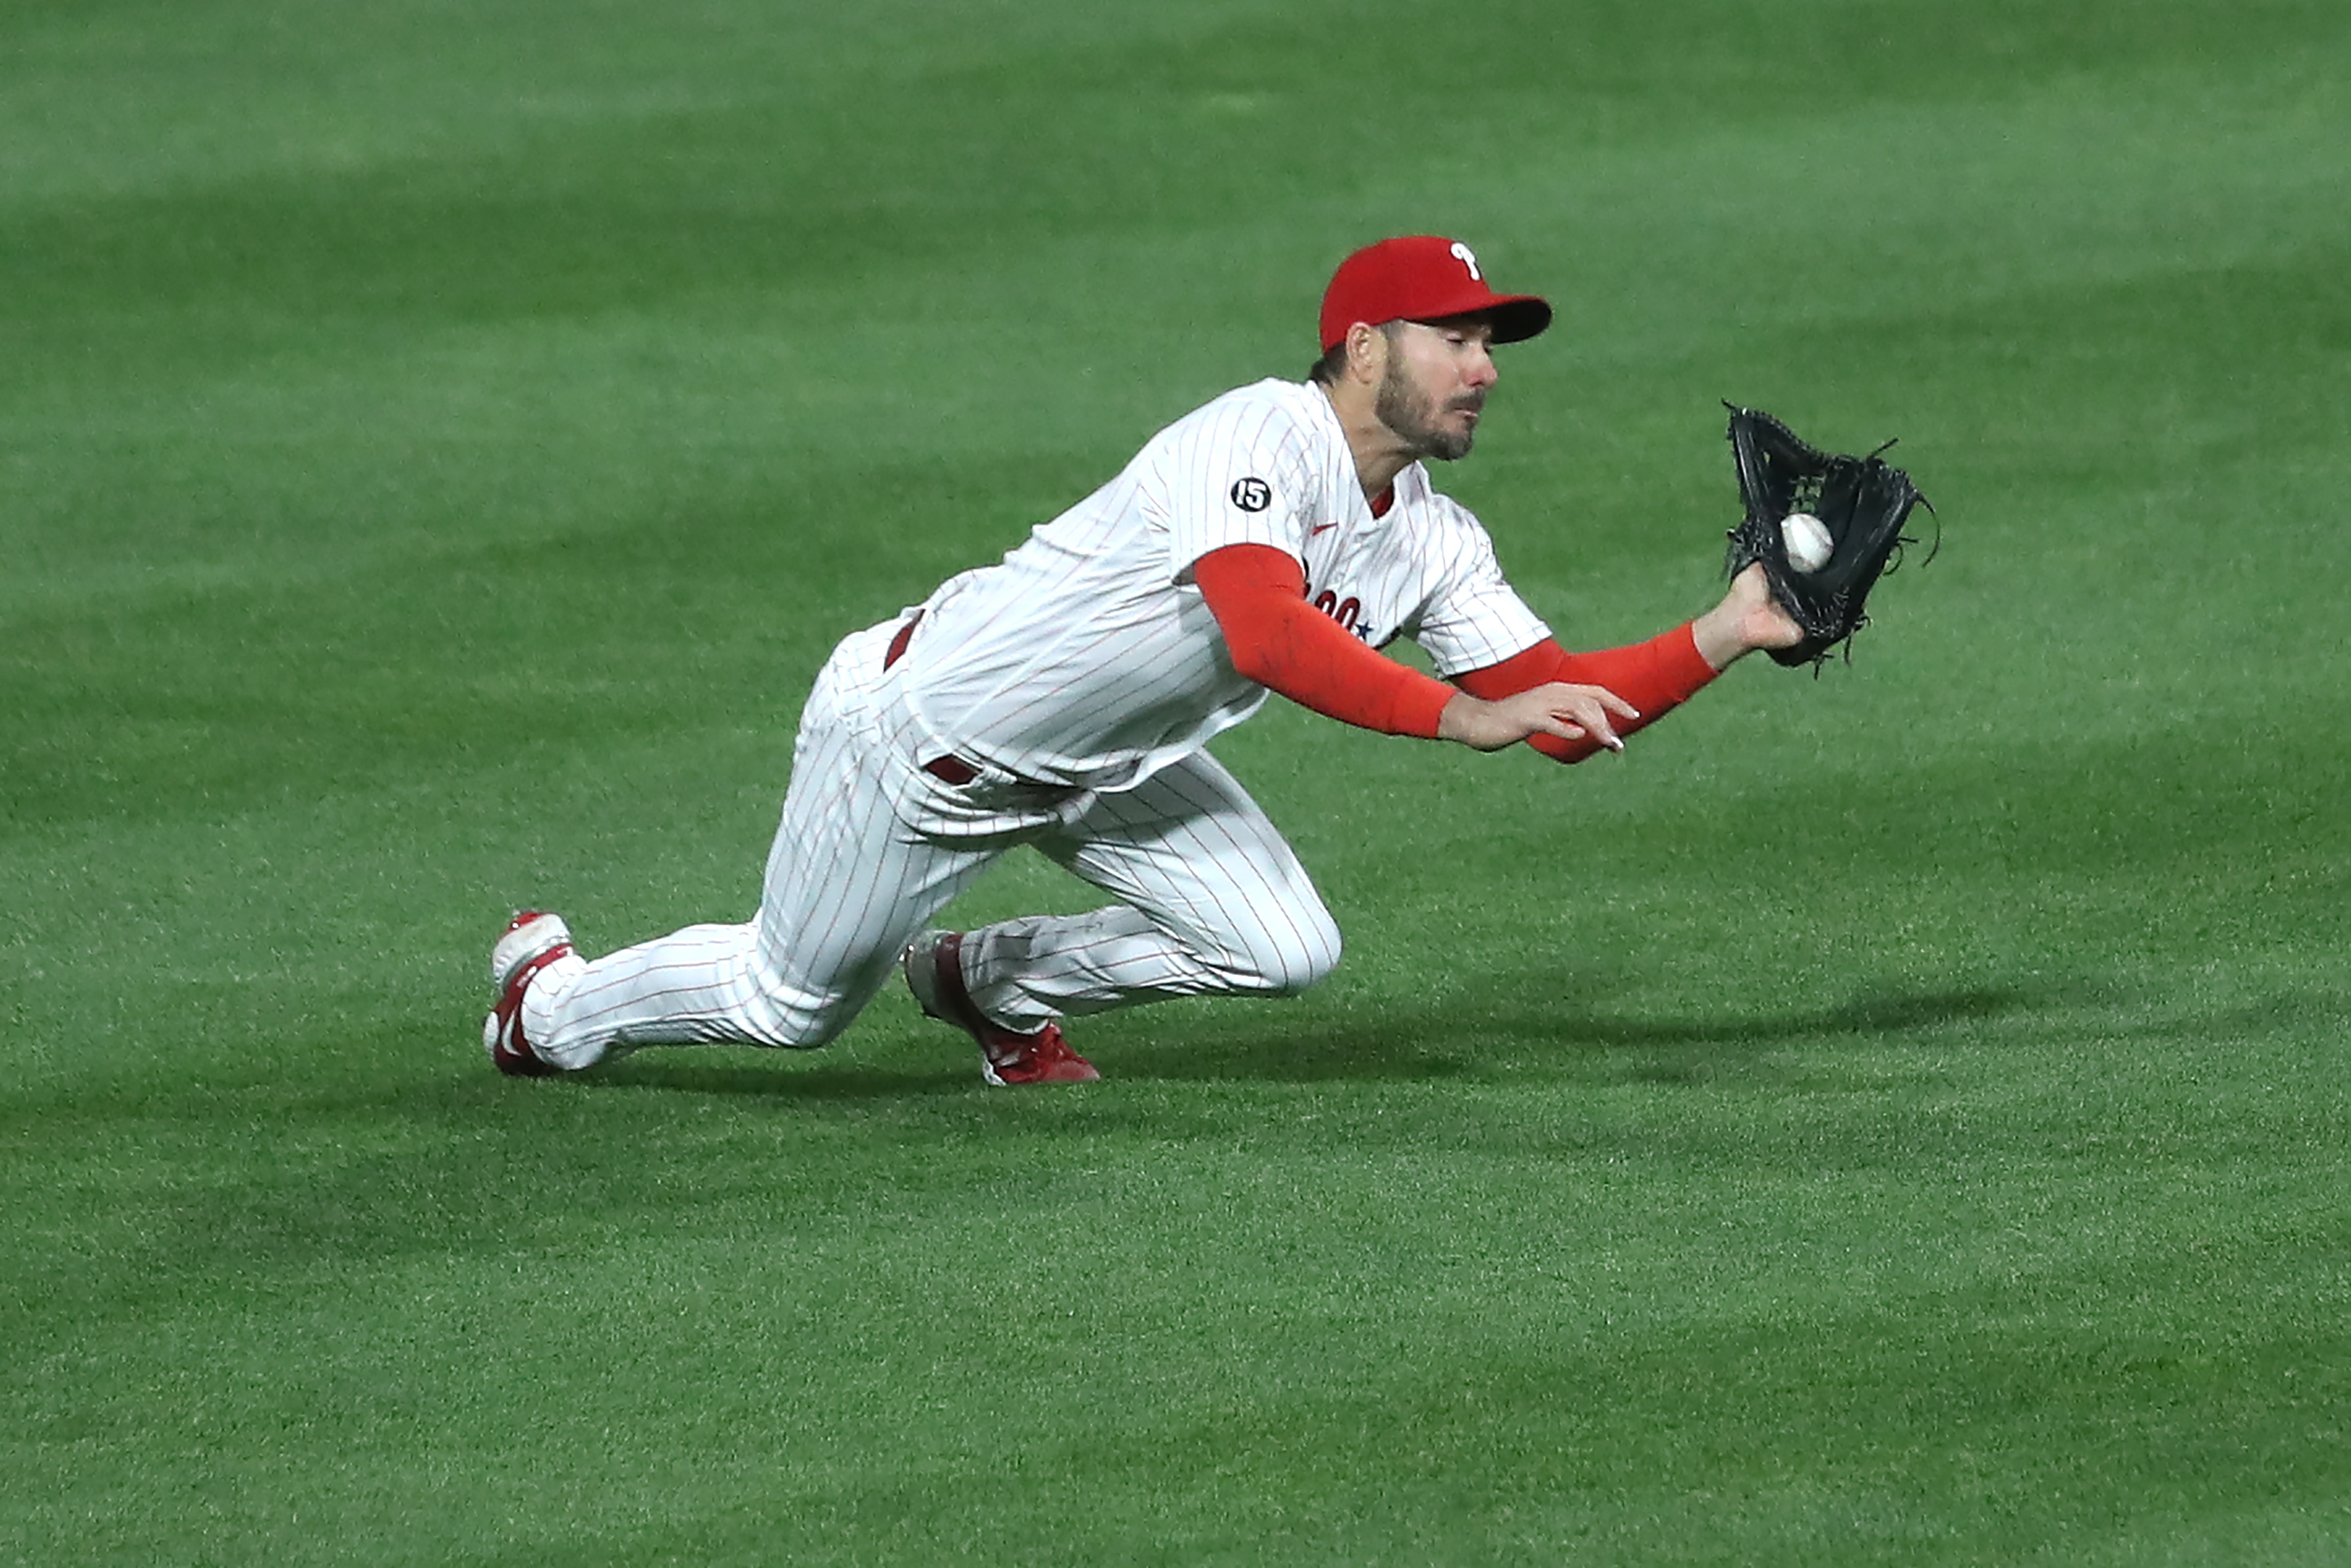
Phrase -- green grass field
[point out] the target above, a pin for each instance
(1892, 1118)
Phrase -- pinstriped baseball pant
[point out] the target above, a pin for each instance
(1210, 898)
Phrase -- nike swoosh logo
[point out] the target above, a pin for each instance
(1321, 528)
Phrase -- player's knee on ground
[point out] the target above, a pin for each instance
(1289, 956)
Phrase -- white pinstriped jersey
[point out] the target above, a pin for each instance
(1088, 658)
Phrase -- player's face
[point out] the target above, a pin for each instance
(1435, 386)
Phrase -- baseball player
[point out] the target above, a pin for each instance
(1064, 697)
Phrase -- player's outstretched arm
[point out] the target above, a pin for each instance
(1656, 676)
(1257, 595)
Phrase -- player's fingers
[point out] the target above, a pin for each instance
(1601, 694)
(1567, 731)
(1602, 730)
(1587, 717)
(1610, 701)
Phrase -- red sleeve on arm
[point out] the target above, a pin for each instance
(1257, 595)
(1656, 676)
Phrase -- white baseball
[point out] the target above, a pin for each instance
(1807, 540)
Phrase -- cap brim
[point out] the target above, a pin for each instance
(1515, 318)
(1518, 317)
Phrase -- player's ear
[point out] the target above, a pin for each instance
(1367, 352)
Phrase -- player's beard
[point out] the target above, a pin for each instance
(1413, 415)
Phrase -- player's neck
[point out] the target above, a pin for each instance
(1380, 456)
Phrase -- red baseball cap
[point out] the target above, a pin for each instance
(1422, 277)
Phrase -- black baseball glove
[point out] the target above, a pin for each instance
(1862, 501)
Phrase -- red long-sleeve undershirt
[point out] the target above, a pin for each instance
(1257, 595)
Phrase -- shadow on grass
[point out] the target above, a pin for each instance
(1425, 1044)
(1431, 1042)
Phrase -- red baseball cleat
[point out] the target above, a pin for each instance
(533, 940)
(934, 968)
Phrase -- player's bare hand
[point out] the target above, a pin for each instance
(1748, 619)
(1569, 712)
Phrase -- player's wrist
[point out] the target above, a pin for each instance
(1720, 634)
(1463, 719)
(1480, 725)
